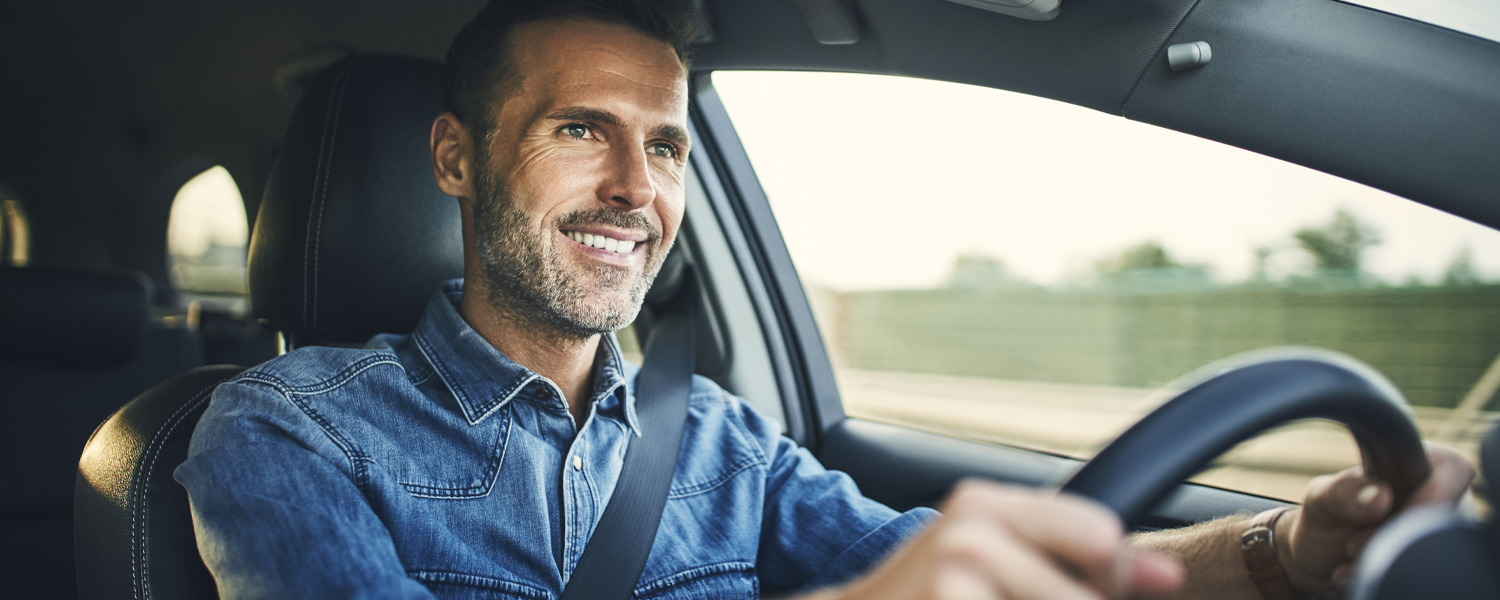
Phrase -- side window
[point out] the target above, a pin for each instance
(15, 234)
(1011, 269)
(206, 242)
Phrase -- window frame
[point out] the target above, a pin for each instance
(899, 466)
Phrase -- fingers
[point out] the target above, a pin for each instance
(1002, 542)
(1343, 510)
(1347, 498)
(1340, 513)
(1074, 533)
(1056, 544)
(1022, 572)
(1155, 574)
(1357, 541)
(1451, 477)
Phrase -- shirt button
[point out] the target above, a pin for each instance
(577, 463)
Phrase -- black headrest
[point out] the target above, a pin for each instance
(353, 234)
(71, 316)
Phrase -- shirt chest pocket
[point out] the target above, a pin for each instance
(449, 461)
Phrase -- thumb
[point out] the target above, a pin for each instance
(1347, 499)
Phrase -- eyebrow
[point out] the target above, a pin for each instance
(674, 133)
(591, 115)
(604, 117)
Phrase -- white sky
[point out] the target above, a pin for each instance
(207, 209)
(879, 182)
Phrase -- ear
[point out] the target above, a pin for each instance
(453, 156)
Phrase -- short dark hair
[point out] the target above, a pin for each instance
(480, 63)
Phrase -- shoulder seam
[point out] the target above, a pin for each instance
(294, 395)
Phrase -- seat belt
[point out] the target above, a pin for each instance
(616, 554)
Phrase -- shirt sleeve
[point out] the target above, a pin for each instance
(276, 513)
(818, 530)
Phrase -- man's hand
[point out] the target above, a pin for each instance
(996, 541)
(1342, 511)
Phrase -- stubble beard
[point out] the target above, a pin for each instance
(529, 282)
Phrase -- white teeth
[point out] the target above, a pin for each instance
(602, 242)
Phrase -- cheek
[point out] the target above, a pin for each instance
(547, 177)
(669, 208)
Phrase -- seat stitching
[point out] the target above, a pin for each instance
(322, 200)
(153, 452)
(307, 239)
(325, 157)
(139, 509)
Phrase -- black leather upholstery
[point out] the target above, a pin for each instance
(353, 234)
(352, 238)
(133, 529)
(71, 316)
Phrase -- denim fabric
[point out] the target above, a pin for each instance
(430, 465)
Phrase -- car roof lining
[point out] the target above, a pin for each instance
(110, 93)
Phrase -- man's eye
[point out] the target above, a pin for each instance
(664, 150)
(576, 131)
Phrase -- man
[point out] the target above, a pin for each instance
(473, 457)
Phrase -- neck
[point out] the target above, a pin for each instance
(566, 360)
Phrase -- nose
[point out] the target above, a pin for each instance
(627, 184)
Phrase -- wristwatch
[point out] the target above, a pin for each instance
(1258, 544)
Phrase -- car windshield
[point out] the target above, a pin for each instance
(1012, 269)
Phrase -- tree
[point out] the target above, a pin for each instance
(1461, 271)
(1145, 256)
(1149, 265)
(973, 270)
(1338, 247)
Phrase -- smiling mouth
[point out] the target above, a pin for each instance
(602, 242)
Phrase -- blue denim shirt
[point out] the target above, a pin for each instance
(430, 465)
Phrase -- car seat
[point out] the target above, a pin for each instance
(75, 345)
(351, 239)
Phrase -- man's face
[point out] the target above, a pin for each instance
(579, 191)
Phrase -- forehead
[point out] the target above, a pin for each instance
(577, 61)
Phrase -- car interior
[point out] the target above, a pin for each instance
(319, 111)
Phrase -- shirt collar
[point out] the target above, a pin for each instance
(483, 380)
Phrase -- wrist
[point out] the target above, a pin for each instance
(1305, 585)
(1264, 548)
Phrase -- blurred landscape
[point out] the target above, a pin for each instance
(1066, 368)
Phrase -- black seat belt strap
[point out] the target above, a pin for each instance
(616, 554)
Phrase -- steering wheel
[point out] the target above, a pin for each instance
(1241, 397)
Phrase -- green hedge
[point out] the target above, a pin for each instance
(1432, 342)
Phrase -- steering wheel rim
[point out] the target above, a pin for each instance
(1245, 395)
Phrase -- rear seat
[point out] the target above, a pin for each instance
(75, 345)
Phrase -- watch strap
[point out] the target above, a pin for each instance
(1258, 545)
